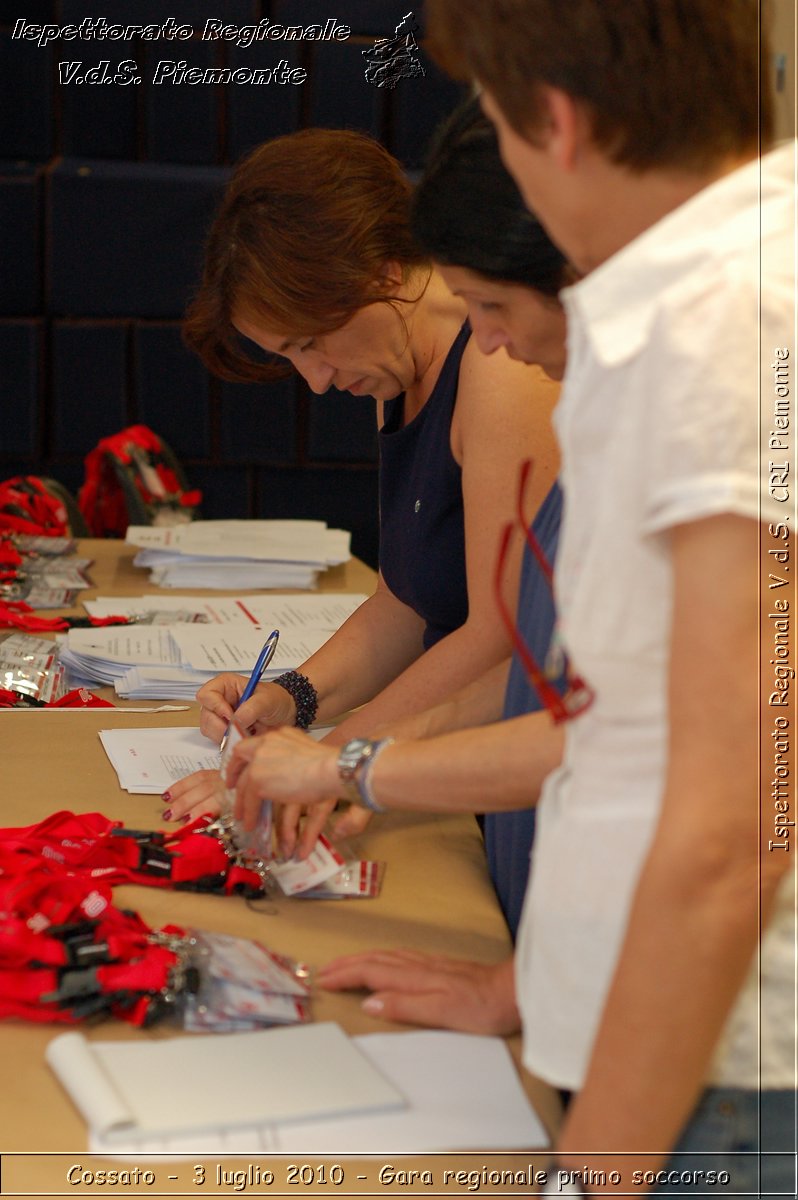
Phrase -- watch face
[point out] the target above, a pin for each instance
(352, 755)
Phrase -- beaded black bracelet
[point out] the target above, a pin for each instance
(305, 697)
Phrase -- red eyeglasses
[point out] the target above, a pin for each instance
(578, 695)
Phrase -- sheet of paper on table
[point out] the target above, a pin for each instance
(323, 610)
(147, 761)
(211, 648)
(462, 1092)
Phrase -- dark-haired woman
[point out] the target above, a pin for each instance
(311, 258)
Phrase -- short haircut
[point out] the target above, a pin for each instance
(300, 243)
(666, 83)
(468, 212)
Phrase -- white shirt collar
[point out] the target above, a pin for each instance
(617, 303)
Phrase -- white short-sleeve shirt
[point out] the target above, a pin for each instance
(659, 423)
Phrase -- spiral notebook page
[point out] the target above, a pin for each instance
(127, 1090)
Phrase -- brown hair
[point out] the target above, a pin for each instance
(667, 83)
(300, 242)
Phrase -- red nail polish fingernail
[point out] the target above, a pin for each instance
(167, 814)
(166, 797)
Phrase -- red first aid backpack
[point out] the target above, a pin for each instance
(133, 478)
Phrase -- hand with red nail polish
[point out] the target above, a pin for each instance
(201, 792)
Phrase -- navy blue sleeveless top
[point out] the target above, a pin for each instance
(508, 836)
(422, 533)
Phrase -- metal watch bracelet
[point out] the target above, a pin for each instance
(363, 777)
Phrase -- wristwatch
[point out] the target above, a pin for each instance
(354, 755)
(355, 762)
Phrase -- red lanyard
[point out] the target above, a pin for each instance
(16, 614)
(66, 951)
(192, 857)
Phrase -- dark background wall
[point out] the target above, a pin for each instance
(105, 194)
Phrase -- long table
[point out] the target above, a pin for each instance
(436, 897)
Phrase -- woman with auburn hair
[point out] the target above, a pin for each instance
(509, 273)
(311, 258)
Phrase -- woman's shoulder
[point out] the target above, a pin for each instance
(485, 376)
(504, 411)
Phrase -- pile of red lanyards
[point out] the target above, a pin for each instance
(66, 951)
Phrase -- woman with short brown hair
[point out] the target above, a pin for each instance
(311, 259)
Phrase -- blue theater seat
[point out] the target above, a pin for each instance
(258, 422)
(89, 386)
(182, 124)
(20, 247)
(20, 381)
(340, 97)
(344, 498)
(171, 389)
(127, 237)
(26, 128)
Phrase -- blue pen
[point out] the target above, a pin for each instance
(264, 658)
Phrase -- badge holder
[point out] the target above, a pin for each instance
(28, 667)
(244, 985)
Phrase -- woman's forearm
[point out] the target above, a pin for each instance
(453, 663)
(478, 703)
(377, 643)
(497, 768)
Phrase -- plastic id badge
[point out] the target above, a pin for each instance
(251, 964)
(296, 876)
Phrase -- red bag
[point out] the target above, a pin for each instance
(133, 478)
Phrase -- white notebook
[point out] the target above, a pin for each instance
(131, 1089)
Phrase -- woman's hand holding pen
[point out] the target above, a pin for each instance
(270, 705)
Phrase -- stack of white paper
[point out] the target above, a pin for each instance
(209, 648)
(102, 655)
(170, 662)
(149, 662)
(239, 554)
(159, 683)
